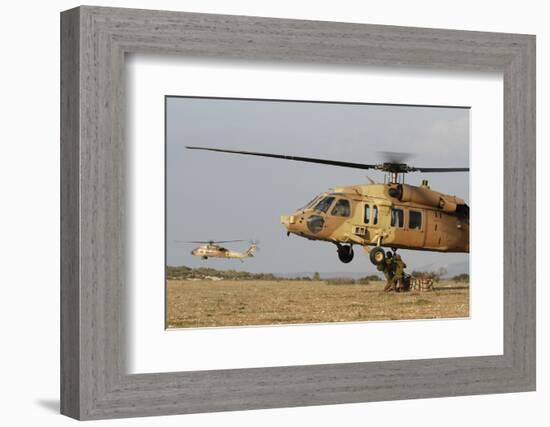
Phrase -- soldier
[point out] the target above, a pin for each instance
(387, 267)
(398, 277)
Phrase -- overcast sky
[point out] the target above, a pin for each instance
(223, 196)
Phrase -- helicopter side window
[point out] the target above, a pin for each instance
(367, 214)
(374, 215)
(415, 220)
(397, 217)
(324, 204)
(341, 208)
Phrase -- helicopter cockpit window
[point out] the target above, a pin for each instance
(310, 203)
(367, 214)
(341, 208)
(324, 204)
(397, 217)
(374, 215)
(415, 220)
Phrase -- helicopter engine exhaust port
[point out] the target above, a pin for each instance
(377, 255)
(345, 253)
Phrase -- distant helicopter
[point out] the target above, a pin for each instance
(390, 214)
(210, 249)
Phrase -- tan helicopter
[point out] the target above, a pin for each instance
(390, 214)
(211, 249)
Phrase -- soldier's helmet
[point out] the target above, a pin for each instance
(389, 254)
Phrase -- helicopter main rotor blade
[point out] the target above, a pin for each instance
(415, 169)
(395, 156)
(295, 158)
(208, 241)
(386, 167)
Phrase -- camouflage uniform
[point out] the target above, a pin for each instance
(387, 267)
(399, 269)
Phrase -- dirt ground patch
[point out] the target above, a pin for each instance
(205, 303)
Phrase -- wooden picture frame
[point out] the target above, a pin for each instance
(94, 382)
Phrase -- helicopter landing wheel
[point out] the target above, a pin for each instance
(345, 253)
(377, 255)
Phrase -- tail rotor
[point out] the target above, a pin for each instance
(253, 248)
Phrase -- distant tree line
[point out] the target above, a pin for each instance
(185, 273)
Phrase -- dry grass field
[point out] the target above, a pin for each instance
(206, 303)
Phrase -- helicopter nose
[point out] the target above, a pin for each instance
(292, 223)
(288, 221)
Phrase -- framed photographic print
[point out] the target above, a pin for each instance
(261, 213)
(291, 282)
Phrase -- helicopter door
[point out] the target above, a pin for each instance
(370, 216)
(414, 227)
(336, 216)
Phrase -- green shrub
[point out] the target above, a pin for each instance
(340, 281)
(464, 278)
